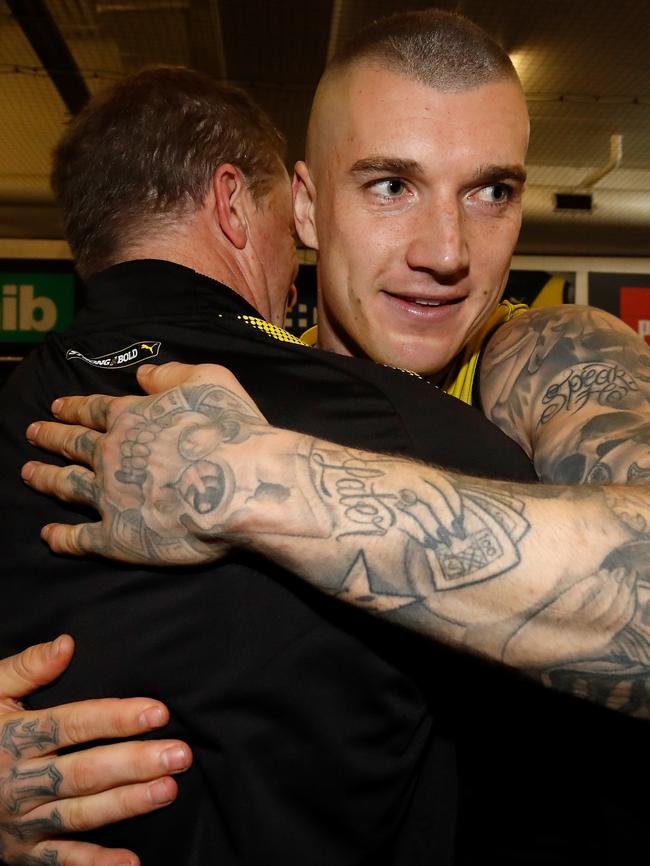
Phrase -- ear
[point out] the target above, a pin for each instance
(231, 198)
(292, 297)
(304, 205)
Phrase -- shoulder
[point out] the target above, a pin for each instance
(552, 374)
(576, 327)
(553, 338)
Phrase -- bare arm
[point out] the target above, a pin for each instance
(572, 386)
(43, 795)
(551, 580)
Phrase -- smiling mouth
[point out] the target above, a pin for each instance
(426, 302)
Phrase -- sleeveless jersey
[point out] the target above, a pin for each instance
(461, 377)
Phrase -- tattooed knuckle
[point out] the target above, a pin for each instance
(63, 482)
(43, 855)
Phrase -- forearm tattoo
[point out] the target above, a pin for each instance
(463, 560)
(572, 385)
(438, 555)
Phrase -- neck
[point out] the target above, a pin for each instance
(191, 250)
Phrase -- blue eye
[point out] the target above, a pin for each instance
(496, 193)
(392, 187)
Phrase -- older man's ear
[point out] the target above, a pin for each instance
(304, 205)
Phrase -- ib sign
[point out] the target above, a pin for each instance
(31, 304)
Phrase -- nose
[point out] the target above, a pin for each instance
(438, 243)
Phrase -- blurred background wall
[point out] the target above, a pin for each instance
(585, 67)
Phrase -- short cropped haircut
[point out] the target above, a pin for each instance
(441, 49)
(142, 153)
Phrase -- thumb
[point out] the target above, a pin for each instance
(163, 377)
(154, 378)
(36, 666)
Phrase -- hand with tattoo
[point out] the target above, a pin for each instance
(43, 796)
(547, 579)
(160, 469)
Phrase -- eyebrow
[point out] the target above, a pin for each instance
(497, 173)
(393, 165)
(388, 165)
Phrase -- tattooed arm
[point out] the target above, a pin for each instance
(572, 386)
(43, 796)
(551, 580)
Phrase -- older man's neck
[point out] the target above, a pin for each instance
(191, 247)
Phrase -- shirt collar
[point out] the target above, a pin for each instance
(158, 288)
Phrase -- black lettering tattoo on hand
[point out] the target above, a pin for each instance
(18, 736)
(19, 786)
(36, 828)
(47, 857)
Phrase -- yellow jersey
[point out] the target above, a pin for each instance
(459, 381)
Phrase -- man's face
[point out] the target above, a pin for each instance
(417, 211)
(273, 236)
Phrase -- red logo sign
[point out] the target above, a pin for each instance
(635, 309)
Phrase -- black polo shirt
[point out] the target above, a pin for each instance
(321, 736)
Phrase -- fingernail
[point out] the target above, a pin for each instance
(27, 471)
(146, 368)
(56, 646)
(56, 406)
(159, 793)
(153, 717)
(32, 431)
(175, 758)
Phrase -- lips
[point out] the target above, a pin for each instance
(422, 304)
(425, 302)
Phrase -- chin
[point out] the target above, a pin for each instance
(422, 363)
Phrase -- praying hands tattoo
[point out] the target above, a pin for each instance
(554, 581)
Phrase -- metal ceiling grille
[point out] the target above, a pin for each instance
(585, 68)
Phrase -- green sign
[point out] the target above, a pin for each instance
(31, 304)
